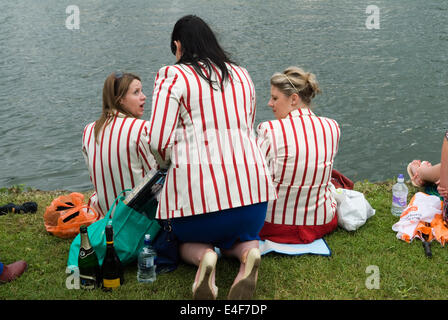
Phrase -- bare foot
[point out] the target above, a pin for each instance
(413, 172)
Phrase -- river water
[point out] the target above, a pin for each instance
(386, 87)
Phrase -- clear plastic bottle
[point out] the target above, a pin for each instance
(146, 272)
(399, 196)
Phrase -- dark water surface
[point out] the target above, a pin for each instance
(387, 88)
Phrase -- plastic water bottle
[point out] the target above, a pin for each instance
(146, 268)
(399, 196)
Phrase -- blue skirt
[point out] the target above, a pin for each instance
(222, 228)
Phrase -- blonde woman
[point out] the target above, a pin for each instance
(116, 146)
(300, 148)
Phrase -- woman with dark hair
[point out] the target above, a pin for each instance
(116, 146)
(218, 183)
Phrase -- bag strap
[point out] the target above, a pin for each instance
(119, 197)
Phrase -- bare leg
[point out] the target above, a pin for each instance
(239, 251)
(192, 253)
(429, 173)
(245, 282)
(444, 165)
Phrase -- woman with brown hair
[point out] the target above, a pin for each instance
(116, 146)
(299, 147)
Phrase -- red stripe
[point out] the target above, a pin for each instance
(157, 100)
(296, 160)
(165, 113)
(252, 95)
(167, 209)
(230, 138)
(90, 134)
(155, 81)
(244, 94)
(332, 155)
(190, 194)
(128, 151)
(138, 137)
(84, 135)
(323, 174)
(314, 174)
(267, 176)
(315, 166)
(142, 153)
(274, 144)
(240, 135)
(249, 125)
(102, 169)
(201, 177)
(94, 173)
(173, 174)
(219, 146)
(118, 153)
(173, 128)
(109, 157)
(305, 170)
(285, 161)
(187, 83)
(87, 147)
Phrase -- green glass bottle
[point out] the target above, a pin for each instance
(112, 268)
(89, 268)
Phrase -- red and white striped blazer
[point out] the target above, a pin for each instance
(300, 150)
(206, 138)
(119, 160)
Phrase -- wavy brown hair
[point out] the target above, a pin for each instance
(115, 88)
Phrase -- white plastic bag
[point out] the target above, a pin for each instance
(353, 208)
(422, 207)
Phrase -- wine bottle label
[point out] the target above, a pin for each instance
(84, 253)
(111, 283)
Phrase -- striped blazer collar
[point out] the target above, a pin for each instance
(301, 112)
(119, 114)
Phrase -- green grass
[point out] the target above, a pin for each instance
(405, 272)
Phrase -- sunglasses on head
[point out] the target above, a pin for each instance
(118, 76)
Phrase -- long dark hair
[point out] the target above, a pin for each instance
(199, 44)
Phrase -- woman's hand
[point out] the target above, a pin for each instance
(443, 191)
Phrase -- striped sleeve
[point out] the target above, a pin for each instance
(143, 150)
(165, 114)
(264, 143)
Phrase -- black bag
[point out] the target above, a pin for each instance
(167, 247)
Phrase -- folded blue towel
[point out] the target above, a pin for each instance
(317, 247)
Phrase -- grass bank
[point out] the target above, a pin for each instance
(405, 272)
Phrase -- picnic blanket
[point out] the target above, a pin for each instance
(317, 247)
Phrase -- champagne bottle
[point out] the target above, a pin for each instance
(89, 269)
(112, 269)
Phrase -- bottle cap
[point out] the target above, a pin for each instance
(147, 238)
(400, 178)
